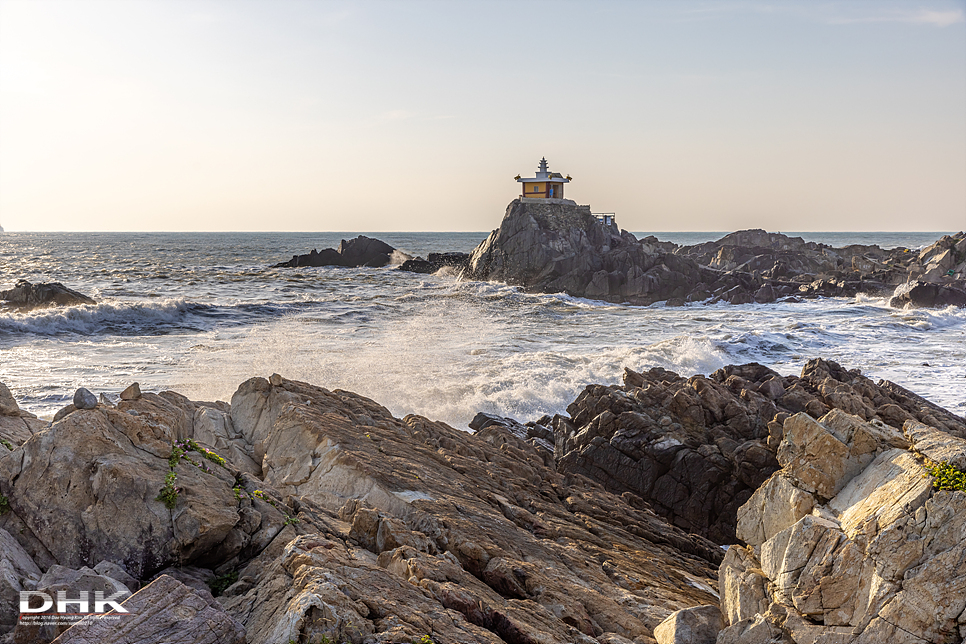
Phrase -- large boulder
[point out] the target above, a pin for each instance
(27, 295)
(97, 486)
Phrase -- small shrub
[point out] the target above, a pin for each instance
(169, 493)
(7, 444)
(4, 505)
(948, 477)
(222, 582)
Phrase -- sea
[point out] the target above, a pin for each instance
(199, 313)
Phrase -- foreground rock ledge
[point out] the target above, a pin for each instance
(332, 518)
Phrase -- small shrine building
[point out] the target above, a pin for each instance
(546, 185)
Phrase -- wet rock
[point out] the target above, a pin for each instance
(436, 261)
(163, 611)
(920, 294)
(361, 251)
(84, 399)
(27, 295)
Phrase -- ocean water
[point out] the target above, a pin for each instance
(201, 312)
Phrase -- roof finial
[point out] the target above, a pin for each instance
(543, 165)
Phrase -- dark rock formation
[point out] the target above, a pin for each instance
(560, 247)
(435, 261)
(557, 247)
(696, 449)
(27, 295)
(361, 251)
(928, 295)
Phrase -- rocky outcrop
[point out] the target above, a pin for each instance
(436, 261)
(558, 247)
(850, 541)
(356, 526)
(25, 295)
(86, 490)
(163, 611)
(919, 294)
(933, 277)
(361, 251)
(433, 531)
(316, 514)
(561, 247)
(696, 448)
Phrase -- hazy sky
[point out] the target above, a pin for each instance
(376, 116)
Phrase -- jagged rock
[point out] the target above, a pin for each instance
(72, 583)
(929, 295)
(698, 625)
(27, 295)
(426, 529)
(883, 560)
(696, 449)
(558, 247)
(776, 505)
(163, 611)
(17, 572)
(361, 251)
(823, 456)
(8, 404)
(742, 586)
(84, 399)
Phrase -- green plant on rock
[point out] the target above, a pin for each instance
(219, 584)
(948, 477)
(425, 639)
(4, 505)
(169, 493)
(7, 444)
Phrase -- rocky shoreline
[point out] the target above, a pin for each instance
(298, 514)
(563, 248)
(558, 247)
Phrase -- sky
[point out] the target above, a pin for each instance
(281, 115)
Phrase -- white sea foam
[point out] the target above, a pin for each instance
(89, 319)
(424, 344)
